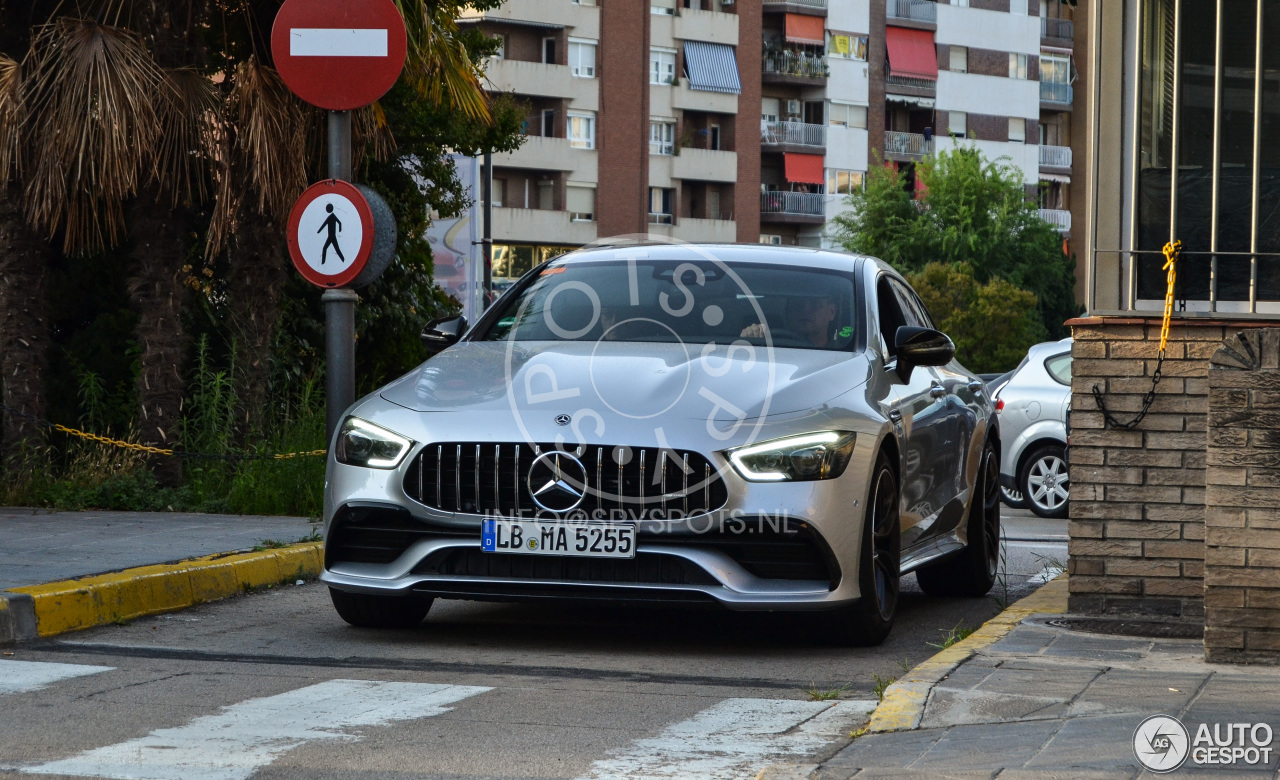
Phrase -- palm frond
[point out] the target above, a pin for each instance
(92, 125)
(11, 117)
(438, 65)
(263, 152)
(371, 134)
(188, 106)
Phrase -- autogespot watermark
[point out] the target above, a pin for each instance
(1162, 743)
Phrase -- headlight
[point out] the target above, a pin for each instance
(797, 458)
(362, 443)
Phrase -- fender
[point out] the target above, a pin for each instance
(1053, 430)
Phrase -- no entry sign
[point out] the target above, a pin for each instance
(339, 54)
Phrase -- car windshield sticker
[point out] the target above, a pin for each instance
(846, 331)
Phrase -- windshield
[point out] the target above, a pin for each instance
(681, 301)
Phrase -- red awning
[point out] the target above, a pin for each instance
(911, 52)
(805, 29)
(803, 168)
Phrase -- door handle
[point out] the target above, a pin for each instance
(937, 391)
(977, 386)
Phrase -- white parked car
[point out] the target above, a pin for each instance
(1032, 407)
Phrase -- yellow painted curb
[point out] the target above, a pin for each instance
(903, 703)
(71, 605)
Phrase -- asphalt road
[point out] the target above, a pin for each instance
(275, 685)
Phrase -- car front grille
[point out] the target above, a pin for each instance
(363, 535)
(489, 478)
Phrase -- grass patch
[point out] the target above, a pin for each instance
(817, 694)
(882, 684)
(957, 633)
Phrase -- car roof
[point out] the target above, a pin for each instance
(1049, 348)
(802, 257)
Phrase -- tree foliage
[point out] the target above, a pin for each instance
(973, 211)
(971, 312)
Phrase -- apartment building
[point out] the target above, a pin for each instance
(752, 120)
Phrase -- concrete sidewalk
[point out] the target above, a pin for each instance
(61, 571)
(1041, 698)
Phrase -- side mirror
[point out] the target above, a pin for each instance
(442, 333)
(921, 347)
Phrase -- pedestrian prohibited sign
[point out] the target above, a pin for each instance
(331, 232)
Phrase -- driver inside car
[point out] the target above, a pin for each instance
(809, 318)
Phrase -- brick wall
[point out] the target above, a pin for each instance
(745, 206)
(1242, 501)
(1137, 496)
(622, 131)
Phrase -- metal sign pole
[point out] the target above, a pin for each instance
(339, 304)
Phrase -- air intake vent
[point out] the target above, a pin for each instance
(621, 482)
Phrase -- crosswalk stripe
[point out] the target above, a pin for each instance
(244, 737)
(734, 739)
(22, 676)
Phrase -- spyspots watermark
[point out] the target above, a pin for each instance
(1162, 743)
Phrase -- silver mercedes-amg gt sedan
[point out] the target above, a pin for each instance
(753, 427)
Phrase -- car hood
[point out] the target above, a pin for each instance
(640, 381)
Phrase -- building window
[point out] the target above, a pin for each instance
(960, 3)
(501, 52)
(499, 192)
(1017, 66)
(957, 123)
(662, 7)
(770, 109)
(582, 129)
(582, 59)
(662, 136)
(843, 182)
(548, 122)
(549, 51)
(661, 205)
(1017, 130)
(580, 202)
(583, 2)
(1055, 69)
(959, 59)
(773, 239)
(845, 115)
(845, 46)
(662, 66)
(1018, 7)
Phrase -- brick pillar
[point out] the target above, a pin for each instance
(622, 135)
(746, 141)
(1242, 501)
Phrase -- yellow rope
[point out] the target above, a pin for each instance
(1171, 252)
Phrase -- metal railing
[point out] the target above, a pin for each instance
(915, 10)
(806, 3)
(895, 80)
(1055, 156)
(799, 133)
(1059, 218)
(1053, 92)
(796, 63)
(807, 203)
(1057, 28)
(905, 144)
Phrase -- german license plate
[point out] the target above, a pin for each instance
(534, 537)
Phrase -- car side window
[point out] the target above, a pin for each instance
(913, 301)
(893, 315)
(1059, 367)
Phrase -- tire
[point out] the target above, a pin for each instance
(868, 621)
(1012, 498)
(1045, 483)
(364, 611)
(972, 572)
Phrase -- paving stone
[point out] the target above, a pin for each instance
(1025, 640)
(1125, 691)
(1104, 742)
(947, 707)
(895, 749)
(1065, 774)
(988, 746)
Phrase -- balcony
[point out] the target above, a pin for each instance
(810, 7)
(907, 147)
(793, 136)
(1057, 28)
(542, 80)
(911, 85)
(805, 207)
(693, 164)
(1059, 218)
(1055, 157)
(794, 67)
(539, 226)
(1053, 92)
(706, 231)
(913, 10)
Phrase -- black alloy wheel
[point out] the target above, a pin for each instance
(868, 620)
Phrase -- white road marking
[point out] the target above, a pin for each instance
(335, 42)
(22, 676)
(245, 737)
(735, 739)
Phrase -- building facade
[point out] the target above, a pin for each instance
(752, 120)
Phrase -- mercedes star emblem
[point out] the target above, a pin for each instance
(557, 481)
(563, 419)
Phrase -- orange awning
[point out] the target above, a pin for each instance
(805, 29)
(911, 52)
(803, 168)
